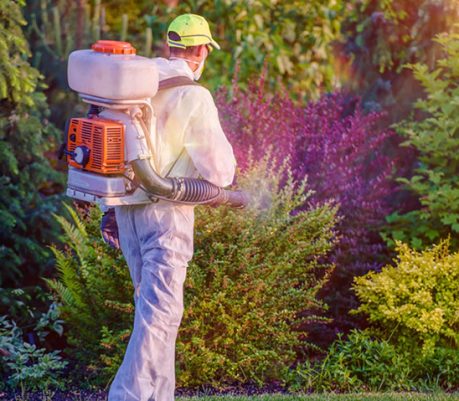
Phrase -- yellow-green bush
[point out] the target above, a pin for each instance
(416, 302)
(252, 274)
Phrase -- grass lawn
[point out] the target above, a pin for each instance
(334, 397)
(102, 396)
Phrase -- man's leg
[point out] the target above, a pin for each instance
(148, 369)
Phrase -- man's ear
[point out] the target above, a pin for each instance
(203, 52)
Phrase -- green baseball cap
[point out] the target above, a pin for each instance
(189, 30)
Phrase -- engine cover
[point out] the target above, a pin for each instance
(101, 141)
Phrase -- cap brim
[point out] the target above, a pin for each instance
(215, 45)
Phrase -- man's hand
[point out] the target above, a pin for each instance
(109, 229)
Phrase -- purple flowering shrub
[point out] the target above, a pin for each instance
(258, 122)
(344, 155)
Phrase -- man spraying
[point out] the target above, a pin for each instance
(157, 238)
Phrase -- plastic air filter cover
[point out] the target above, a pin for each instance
(112, 70)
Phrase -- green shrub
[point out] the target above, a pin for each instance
(413, 339)
(25, 365)
(253, 272)
(94, 287)
(26, 177)
(436, 141)
(359, 363)
(438, 370)
(364, 363)
(416, 302)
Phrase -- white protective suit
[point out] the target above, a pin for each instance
(157, 238)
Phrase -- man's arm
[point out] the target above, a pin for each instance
(205, 141)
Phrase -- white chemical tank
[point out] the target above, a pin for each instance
(111, 70)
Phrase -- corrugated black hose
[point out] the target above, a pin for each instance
(190, 191)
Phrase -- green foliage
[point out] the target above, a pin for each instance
(49, 321)
(26, 177)
(364, 363)
(291, 38)
(359, 363)
(252, 274)
(34, 369)
(440, 369)
(94, 287)
(416, 302)
(24, 365)
(380, 38)
(17, 79)
(54, 29)
(436, 140)
(16, 302)
(113, 343)
(58, 27)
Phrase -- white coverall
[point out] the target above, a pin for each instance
(157, 238)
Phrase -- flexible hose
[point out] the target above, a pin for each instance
(195, 190)
(189, 191)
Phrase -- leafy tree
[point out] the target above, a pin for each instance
(291, 38)
(380, 38)
(436, 141)
(27, 179)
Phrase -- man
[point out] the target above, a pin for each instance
(157, 239)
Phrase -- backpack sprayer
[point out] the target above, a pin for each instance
(110, 152)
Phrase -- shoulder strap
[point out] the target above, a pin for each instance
(175, 82)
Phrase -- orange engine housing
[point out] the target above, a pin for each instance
(105, 141)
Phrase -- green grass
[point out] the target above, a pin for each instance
(334, 397)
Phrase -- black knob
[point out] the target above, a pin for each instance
(81, 155)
